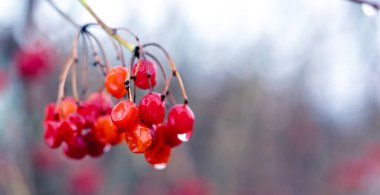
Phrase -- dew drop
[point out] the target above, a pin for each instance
(107, 148)
(369, 10)
(185, 137)
(160, 166)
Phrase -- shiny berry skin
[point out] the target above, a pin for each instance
(77, 120)
(159, 152)
(52, 137)
(106, 131)
(76, 148)
(152, 108)
(180, 119)
(125, 115)
(66, 107)
(114, 81)
(139, 139)
(145, 68)
(67, 130)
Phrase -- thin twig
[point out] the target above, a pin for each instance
(63, 14)
(108, 30)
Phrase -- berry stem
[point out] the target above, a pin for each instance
(173, 68)
(85, 68)
(63, 14)
(108, 30)
(102, 51)
(96, 55)
(63, 77)
(62, 81)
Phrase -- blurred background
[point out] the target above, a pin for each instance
(285, 95)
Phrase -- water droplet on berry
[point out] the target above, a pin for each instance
(107, 148)
(160, 166)
(183, 137)
(369, 10)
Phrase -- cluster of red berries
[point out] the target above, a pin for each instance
(83, 127)
(92, 126)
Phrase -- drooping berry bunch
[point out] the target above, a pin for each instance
(145, 129)
(91, 125)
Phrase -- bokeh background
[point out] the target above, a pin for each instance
(285, 94)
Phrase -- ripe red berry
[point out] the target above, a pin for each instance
(52, 137)
(67, 130)
(106, 131)
(77, 120)
(152, 108)
(114, 81)
(96, 148)
(180, 119)
(146, 69)
(158, 154)
(139, 139)
(125, 115)
(76, 148)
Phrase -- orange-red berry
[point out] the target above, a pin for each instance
(114, 81)
(139, 139)
(125, 115)
(106, 131)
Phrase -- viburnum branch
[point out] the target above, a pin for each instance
(108, 30)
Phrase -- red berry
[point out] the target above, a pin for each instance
(139, 139)
(152, 108)
(76, 148)
(171, 138)
(67, 130)
(95, 147)
(159, 152)
(114, 81)
(125, 115)
(50, 113)
(76, 119)
(180, 119)
(145, 69)
(106, 131)
(52, 138)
